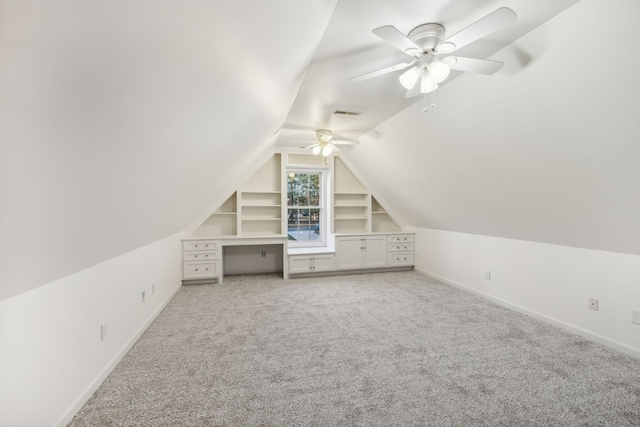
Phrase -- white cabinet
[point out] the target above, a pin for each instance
(313, 263)
(401, 250)
(354, 252)
(201, 259)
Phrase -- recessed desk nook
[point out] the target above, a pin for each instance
(208, 259)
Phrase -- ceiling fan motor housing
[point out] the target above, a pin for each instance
(427, 36)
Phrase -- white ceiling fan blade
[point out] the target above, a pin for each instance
(481, 66)
(394, 37)
(381, 72)
(311, 146)
(345, 142)
(479, 29)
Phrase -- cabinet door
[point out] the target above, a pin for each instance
(299, 264)
(350, 253)
(322, 262)
(375, 253)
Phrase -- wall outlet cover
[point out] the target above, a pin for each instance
(593, 304)
(635, 316)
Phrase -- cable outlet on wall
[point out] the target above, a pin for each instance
(593, 304)
(103, 331)
(635, 316)
(487, 274)
(153, 289)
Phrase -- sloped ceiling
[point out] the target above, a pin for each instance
(545, 152)
(121, 121)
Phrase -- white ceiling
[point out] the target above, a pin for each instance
(123, 121)
(349, 49)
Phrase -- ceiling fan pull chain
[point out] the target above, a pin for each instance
(424, 110)
(433, 99)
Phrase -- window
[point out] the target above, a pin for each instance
(305, 207)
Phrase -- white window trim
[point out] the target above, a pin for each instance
(323, 171)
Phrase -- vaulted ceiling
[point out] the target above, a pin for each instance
(121, 122)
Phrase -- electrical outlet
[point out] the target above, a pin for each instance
(487, 274)
(103, 331)
(153, 289)
(635, 316)
(143, 295)
(593, 304)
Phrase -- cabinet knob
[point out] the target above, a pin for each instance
(206, 269)
(196, 269)
(206, 256)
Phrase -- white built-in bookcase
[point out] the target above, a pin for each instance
(258, 207)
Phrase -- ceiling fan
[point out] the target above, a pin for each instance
(425, 43)
(327, 142)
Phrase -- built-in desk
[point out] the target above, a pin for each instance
(203, 258)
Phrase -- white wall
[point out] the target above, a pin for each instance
(121, 121)
(544, 150)
(551, 282)
(51, 355)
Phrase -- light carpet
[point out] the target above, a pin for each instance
(384, 349)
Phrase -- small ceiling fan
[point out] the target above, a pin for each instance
(427, 41)
(327, 142)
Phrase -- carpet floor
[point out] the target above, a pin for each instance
(384, 349)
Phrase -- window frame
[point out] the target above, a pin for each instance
(323, 206)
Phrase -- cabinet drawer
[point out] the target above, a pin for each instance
(404, 238)
(401, 247)
(397, 259)
(310, 263)
(201, 256)
(201, 270)
(200, 245)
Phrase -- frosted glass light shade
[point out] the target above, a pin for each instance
(326, 150)
(427, 84)
(316, 149)
(438, 70)
(409, 78)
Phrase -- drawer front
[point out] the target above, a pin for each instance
(201, 256)
(404, 238)
(310, 263)
(201, 270)
(322, 263)
(397, 259)
(401, 247)
(200, 245)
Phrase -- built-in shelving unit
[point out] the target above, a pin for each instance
(351, 203)
(381, 221)
(261, 201)
(222, 222)
(258, 208)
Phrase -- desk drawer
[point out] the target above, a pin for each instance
(200, 245)
(201, 256)
(201, 270)
(403, 238)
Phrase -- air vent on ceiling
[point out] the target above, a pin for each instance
(346, 114)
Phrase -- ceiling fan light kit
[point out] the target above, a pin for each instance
(425, 42)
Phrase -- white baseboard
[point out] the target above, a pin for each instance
(68, 415)
(631, 351)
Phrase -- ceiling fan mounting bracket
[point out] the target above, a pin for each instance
(427, 36)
